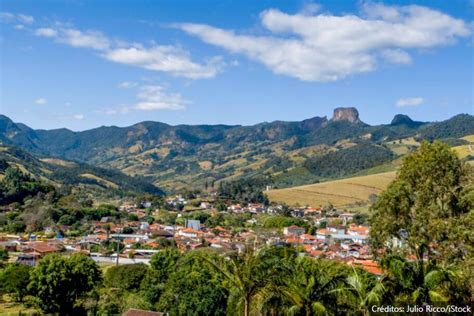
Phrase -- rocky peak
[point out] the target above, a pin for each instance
(401, 119)
(346, 114)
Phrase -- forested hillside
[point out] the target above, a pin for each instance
(61, 172)
(290, 153)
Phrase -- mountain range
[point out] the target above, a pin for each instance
(191, 156)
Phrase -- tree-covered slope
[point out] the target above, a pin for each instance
(62, 172)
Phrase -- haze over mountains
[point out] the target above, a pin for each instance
(288, 153)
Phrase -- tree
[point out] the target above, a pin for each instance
(162, 264)
(3, 256)
(364, 290)
(410, 282)
(193, 289)
(58, 282)
(425, 197)
(14, 280)
(312, 286)
(126, 277)
(426, 213)
(250, 276)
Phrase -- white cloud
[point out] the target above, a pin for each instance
(78, 117)
(19, 27)
(163, 58)
(76, 38)
(8, 17)
(409, 102)
(327, 47)
(154, 97)
(27, 19)
(46, 32)
(310, 8)
(41, 101)
(396, 56)
(127, 84)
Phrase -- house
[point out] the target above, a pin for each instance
(235, 208)
(308, 239)
(29, 259)
(106, 219)
(336, 229)
(193, 224)
(297, 212)
(358, 230)
(323, 233)
(41, 248)
(9, 245)
(127, 207)
(293, 230)
(189, 232)
(311, 211)
(346, 217)
(256, 208)
(205, 205)
(144, 226)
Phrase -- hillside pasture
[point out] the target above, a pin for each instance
(340, 193)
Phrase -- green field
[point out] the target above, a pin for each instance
(340, 193)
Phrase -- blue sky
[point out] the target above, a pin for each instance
(83, 64)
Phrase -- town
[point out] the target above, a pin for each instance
(325, 233)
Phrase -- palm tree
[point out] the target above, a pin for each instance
(419, 282)
(251, 275)
(312, 287)
(364, 290)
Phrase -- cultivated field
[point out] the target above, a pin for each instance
(339, 193)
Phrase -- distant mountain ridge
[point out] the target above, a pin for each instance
(184, 155)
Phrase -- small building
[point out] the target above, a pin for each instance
(193, 224)
(189, 232)
(293, 230)
(42, 248)
(346, 217)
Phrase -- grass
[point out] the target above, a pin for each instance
(339, 193)
(59, 162)
(469, 138)
(8, 307)
(100, 180)
(464, 150)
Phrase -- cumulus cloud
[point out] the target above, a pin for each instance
(409, 102)
(41, 101)
(164, 58)
(327, 47)
(155, 97)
